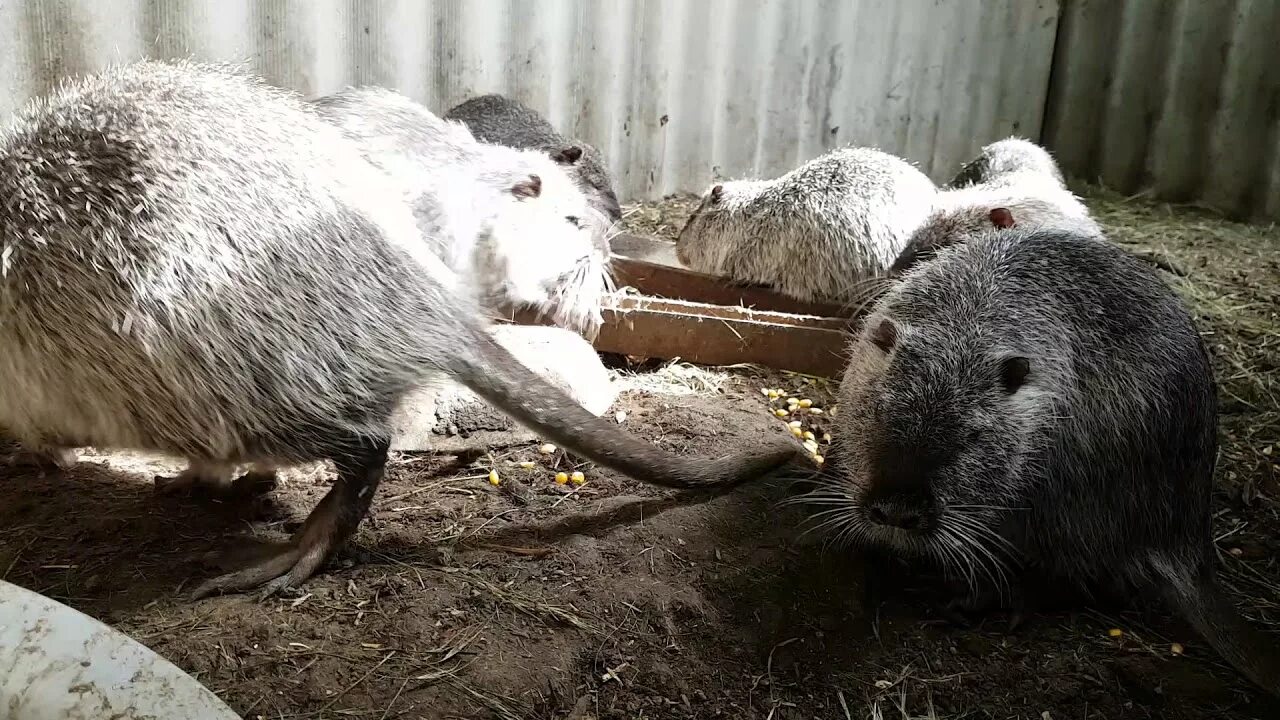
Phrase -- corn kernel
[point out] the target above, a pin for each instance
(809, 435)
(493, 478)
(811, 446)
(577, 477)
(797, 432)
(773, 394)
(819, 459)
(806, 403)
(547, 449)
(562, 478)
(815, 411)
(795, 423)
(826, 437)
(793, 401)
(1115, 632)
(1176, 649)
(765, 392)
(780, 412)
(527, 464)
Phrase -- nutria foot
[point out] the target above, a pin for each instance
(969, 605)
(326, 529)
(217, 480)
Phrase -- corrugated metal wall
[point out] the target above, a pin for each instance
(1179, 95)
(671, 91)
(1182, 96)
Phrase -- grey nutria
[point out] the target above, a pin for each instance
(816, 233)
(548, 250)
(501, 120)
(1039, 404)
(196, 264)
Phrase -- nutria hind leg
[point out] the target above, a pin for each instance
(259, 480)
(360, 469)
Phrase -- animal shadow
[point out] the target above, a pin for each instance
(101, 540)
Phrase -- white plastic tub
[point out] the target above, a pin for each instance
(59, 664)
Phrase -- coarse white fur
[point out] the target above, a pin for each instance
(128, 291)
(1022, 177)
(814, 233)
(547, 250)
(1035, 199)
(1012, 175)
(1005, 157)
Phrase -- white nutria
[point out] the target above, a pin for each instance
(1011, 168)
(501, 120)
(1005, 157)
(1035, 403)
(196, 264)
(1012, 183)
(816, 232)
(513, 223)
(1023, 200)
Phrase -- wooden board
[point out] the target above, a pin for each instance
(649, 265)
(708, 334)
(708, 320)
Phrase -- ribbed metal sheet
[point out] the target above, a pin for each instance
(673, 92)
(1182, 96)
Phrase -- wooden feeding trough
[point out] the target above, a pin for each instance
(677, 313)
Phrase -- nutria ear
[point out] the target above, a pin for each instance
(528, 189)
(717, 192)
(568, 155)
(1002, 218)
(885, 335)
(1014, 372)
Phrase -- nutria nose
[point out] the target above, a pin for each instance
(896, 515)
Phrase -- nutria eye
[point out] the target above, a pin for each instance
(885, 335)
(1013, 373)
(573, 220)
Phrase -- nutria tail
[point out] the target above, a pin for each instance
(1202, 602)
(496, 375)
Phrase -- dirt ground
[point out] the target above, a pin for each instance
(720, 609)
